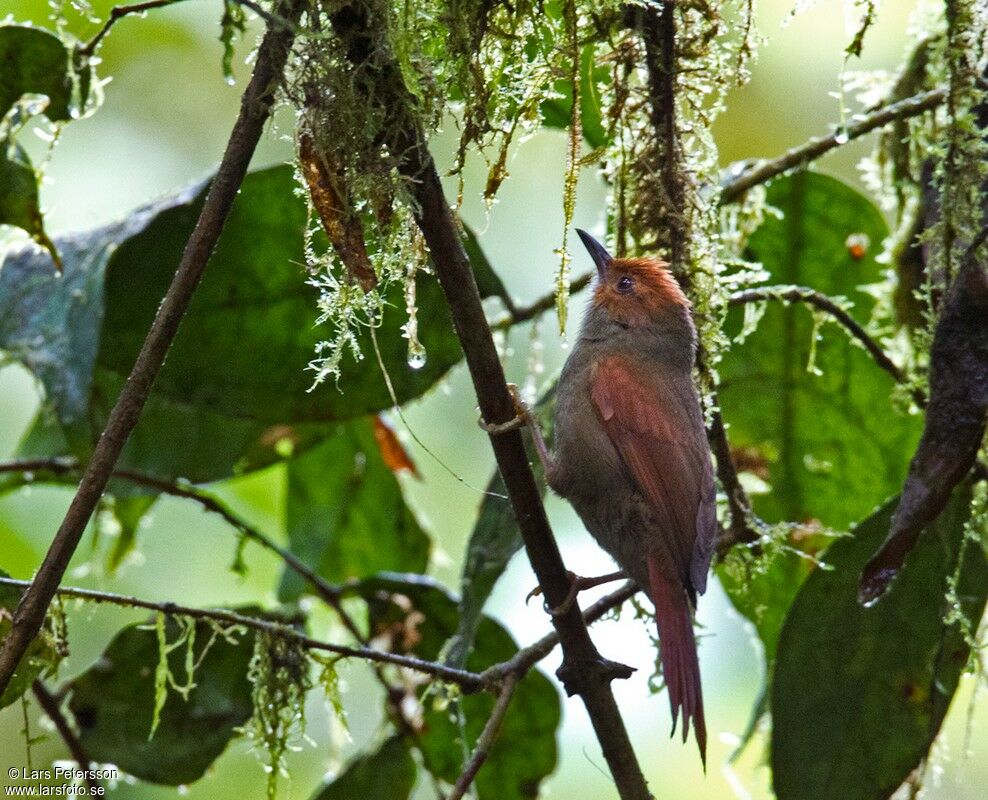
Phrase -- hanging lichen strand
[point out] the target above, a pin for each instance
(664, 164)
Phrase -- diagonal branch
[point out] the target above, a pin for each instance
(486, 740)
(469, 681)
(584, 671)
(255, 109)
(799, 156)
(50, 705)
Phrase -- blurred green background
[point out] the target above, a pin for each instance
(164, 123)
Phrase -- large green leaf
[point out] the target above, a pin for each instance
(494, 541)
(386, 774)
(860, 693)
(827, 456)
(113, 703)
(34, 61)
(345, 513)
(420, 622)
(233, 391)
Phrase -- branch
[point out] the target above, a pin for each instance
(255, 109)
(119, 12)
(50, 705)
(547, 302)
(743, 527)
(814, 148)
(329, 593)
(486, 740)
(955, 420)
(800, 294)
(468, 681)
(584, 671)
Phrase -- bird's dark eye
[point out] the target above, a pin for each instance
(625, 284)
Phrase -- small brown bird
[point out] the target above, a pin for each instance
(631, 454)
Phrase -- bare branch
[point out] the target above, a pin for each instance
(50, 705)
(254, 111)
(116, 14)
(468, 681)
(800, 156)
(486, 740)
(800, 294)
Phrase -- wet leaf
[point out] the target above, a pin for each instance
(345, 513)
(34, 61)
(388, 773)
(860, 693)
(113, 703)
(826, 458)
(19, 197)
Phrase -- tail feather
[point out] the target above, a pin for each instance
(680, 664)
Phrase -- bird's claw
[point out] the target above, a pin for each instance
(577, 583)
(522, 415)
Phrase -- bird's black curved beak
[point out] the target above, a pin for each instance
(601, 258)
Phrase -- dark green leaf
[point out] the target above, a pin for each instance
(234, 388)
(825, 456)
(860, 693)
(386, 774)
(33, 61)
(19, 196)
(556, 113)
(494, 540)
(525, 751)
(345, 513)
(40, 654)
(113, 703)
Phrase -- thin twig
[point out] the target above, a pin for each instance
(117, 13)
(468, 681)
(255, 109)
(50, 705)
(801, 294)
(799, 156)
(539, 307)
(486, 741)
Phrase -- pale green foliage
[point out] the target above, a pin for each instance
(279, 674)
(163, 677)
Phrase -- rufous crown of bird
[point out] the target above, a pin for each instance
(630, 454)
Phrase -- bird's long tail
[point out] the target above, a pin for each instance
(680, 665)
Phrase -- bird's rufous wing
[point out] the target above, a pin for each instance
(657, 429)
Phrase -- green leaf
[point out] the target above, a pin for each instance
(34, 61)
(816, 434)
(234, 388)
(113, 703)
(860, 693)
(386, 774)
(494, 540)
(556, 113)
(525, 751)
(39, 657)
(345, 513)
(19, 196)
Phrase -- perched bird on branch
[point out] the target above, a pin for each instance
(631, 454)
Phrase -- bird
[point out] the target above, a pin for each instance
(631, 455)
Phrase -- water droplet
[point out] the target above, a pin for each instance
(416, 357)
(841, 136)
